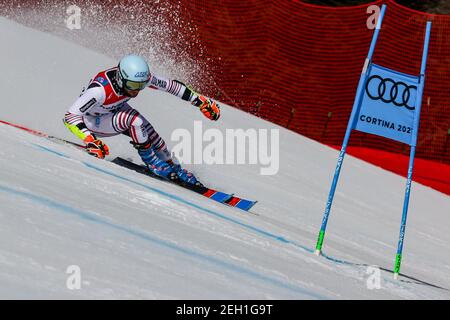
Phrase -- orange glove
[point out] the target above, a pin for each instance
(96, 147)
(208, 107)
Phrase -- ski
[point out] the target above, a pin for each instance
(222, 197)
(240, 203)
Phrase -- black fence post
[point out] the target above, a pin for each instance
(324, 132)
(290, 118)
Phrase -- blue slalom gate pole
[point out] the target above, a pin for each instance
(398, 258)
(351, 123)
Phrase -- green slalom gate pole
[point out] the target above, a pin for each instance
(351, 122)
(398, 257)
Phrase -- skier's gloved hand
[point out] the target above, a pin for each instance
(96, 147)
(207, 106)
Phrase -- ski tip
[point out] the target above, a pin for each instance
(245, 205)
(252, 205)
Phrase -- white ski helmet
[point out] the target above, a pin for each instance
(133, 73)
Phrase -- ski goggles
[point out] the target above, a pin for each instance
(134, 85)
(129, 84)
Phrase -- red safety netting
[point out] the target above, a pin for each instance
(298, 65)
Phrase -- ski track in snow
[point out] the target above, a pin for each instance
(195, 255)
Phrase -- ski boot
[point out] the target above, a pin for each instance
(155, 164)
(186, 176)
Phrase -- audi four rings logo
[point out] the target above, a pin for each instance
(399, 93)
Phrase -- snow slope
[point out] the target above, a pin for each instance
(133, 237)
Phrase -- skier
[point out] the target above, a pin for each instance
(102, 110)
